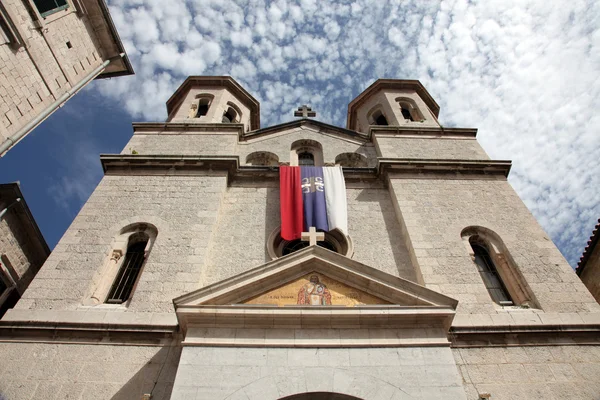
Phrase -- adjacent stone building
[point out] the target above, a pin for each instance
(23, 249)
(588, 267)
(173, 281)
(49, 50)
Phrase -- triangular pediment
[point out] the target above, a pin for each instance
(314, 287)
(305, 124)
(286, 273)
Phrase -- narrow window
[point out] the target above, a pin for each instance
(3, 286)
(47, 7)
(406, 113)
(306, 158)
(489, 274)
(203, 105)
(129, 272)
(229, 116)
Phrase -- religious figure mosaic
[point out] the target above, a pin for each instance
(315, 289)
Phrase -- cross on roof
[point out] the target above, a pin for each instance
(305, 112)
(312, 236)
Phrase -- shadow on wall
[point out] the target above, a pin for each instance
(396, 242)
(272, 215)
(156, 377)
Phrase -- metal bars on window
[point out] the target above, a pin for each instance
(128, 274)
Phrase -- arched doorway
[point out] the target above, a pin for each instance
(320, 396)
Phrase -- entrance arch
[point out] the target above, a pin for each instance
(320, 396)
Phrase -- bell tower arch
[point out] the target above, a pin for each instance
(393, 102)
(213, 100)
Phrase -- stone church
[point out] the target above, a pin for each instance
(174, 282)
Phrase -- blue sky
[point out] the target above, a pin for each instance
(526, 73)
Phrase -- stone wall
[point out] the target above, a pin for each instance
(531, 372)
(273, 373)
(281, 143)
(250, 214)
(22, 251)
(218, 144)
(79, 371)
(34, 77)
(436, 211)
(183, 209)
(430, 148)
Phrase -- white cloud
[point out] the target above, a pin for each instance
(523, 72)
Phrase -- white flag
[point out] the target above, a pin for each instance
(335, 198)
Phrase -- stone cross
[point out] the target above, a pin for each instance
(305, 112)
(312, 236)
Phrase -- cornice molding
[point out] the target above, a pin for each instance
(412, 131)
(155, 128)
(137, 164)
(458, 168)
(524, 335)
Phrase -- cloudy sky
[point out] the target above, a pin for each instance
(526, 73)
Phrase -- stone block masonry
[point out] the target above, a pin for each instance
(84, 371)
(184, 210)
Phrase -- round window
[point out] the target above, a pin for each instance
(334, 240)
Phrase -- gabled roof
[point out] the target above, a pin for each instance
(322, 126)
(393, 84)
(223, 303)
(226, 82)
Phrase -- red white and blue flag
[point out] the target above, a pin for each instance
(312, 196)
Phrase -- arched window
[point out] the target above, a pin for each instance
(377, 117)
(229, 116)
(232, 115)
(409, 109)
(489, 274)
(130, 269)
(380, 118)
(116, 279)
(201, 105)
(306, 158)
(306, 152)
(499, 273)
(262, 158)
(335, 241)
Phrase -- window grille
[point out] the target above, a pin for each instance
(489, 274)
(128, 274)
(47, 7)
(306, 158)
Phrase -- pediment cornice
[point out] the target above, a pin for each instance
(223, 303)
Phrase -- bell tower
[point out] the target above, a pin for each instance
(393, 102)
(213, 100)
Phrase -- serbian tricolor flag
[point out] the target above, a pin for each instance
(312, 196)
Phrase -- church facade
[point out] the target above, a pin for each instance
(174, 280)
